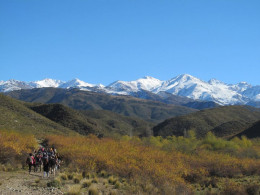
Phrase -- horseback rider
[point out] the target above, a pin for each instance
(49, 158)
(38, 161)
(46, 166)
(30, 161)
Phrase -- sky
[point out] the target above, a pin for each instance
(101, 41)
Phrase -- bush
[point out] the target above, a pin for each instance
(117, 185)
(95, 180)
(74, 190)
(93, 190)
(14, 146)
(63, 176)
(76, 180)
(54, 183)
(103, 174)
(37, 180)
(70, 176)
(148, 160)
(253, 189)
(113, 192)
(86, 183)
(112, 180)
(233, 189)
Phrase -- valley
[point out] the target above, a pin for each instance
(129, 145)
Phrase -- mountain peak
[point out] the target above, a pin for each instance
(76, 83)
(183, 85)
(215, 81)
(149, 77)
(47, 82)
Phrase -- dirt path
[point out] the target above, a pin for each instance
(20, 182)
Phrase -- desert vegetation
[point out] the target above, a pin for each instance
(163, 165)
(151, 165)
(14, 147)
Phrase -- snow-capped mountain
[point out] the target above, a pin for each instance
(253, 93)
(127, 87)
(46, 83)
(182, 85)
(75, 83)
(192, 87)
(11, 85)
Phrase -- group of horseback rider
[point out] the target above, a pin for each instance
(48, 158)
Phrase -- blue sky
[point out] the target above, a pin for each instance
(100, 41)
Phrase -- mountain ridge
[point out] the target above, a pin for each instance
(225, 121)
(149, 110)
(183, 85)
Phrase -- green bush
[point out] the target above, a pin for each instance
(54, 183)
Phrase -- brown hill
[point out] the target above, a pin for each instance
(209, 119)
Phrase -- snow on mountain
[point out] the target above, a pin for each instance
(46, 83)
(253, 93)
(76, 83)
(192, 87)
(240, 87)
(182, 85)
(11, 85)
(126, 87)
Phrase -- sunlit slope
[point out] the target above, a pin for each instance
(14, 115)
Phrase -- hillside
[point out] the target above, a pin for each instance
(252, 132)
(148, 110)
(169, 98)
(14, 115)
(230, 128)
(101, 123)
(209, 119)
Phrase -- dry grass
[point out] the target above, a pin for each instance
(86, 183)
(74, 189)
(93, 190)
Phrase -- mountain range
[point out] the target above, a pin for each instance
(152, 111)
(139, 118)
(183, 85)
(44, 119)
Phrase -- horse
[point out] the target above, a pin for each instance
(38, 163)
(52, 164)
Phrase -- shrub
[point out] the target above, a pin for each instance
(70, 176)
(95, 180)
(86, 183)
(113, 192)
(117, 185)
(103, 174)
(54, 183)
(37, 180)
(64, 176)
(74, 190)
(253, 189)
(112, 180)
(14, 146)
(233, 189)
(76, 180)
(93, 190)
(164, 167)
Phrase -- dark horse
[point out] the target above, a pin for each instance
(52, 164)
(38, 163)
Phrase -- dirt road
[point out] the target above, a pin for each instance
(20, 182)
